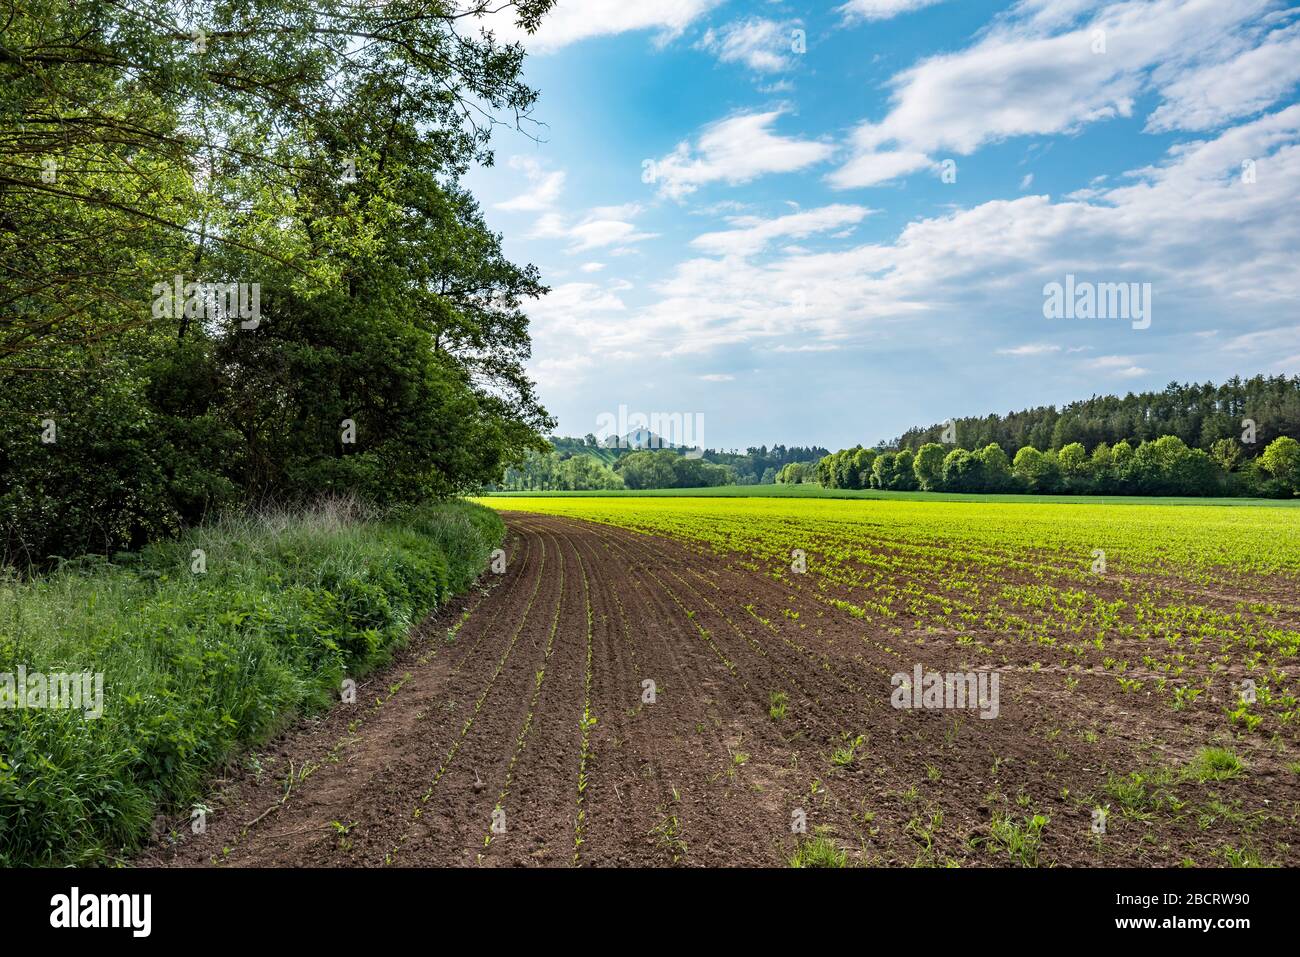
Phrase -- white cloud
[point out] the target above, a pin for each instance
(1210, 244)
(1269, 344)
(717, 377)
(751, 234)
(1122, 367)
(546, 187)
(1027, 181)
(881, 9)
(736, 150)
(592, 267)
(1030, 349)
(762, 45)
(573, 20)
(603, 226)
(1036, 71)
(869, 168)
(1240, 84)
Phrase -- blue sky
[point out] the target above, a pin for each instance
(743, 212)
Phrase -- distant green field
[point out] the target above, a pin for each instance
(816, 491)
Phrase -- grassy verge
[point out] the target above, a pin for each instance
(203, 656)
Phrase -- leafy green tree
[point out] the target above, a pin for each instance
(928, 466)
(1121, 468)
(648, 469)
(1226, 453)
(902, 478)
(826, 471)
(963, 471)
(1102, 467)
(996, 467)
(1036, 471)
(860, 467)
(312, 153)
(846, 475)
(1076, 468)
(1281, 459)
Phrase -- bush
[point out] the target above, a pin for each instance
(199, 666)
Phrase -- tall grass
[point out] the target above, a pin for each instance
(198, 666)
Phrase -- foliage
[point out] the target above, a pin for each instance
(310, 154)
(196, 666)
(1163, 467)
(1200, 415)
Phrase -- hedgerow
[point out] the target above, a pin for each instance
(200, 665)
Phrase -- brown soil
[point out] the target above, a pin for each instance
(480, 719)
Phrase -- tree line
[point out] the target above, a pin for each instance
(1163, 466)
(586, 464)
(644, 469)
(1199, 415)
(237, 263)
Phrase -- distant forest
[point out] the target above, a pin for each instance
(584, 463)
(1200, 415)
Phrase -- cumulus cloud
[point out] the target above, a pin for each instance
(763, 45)
(544, 189)
(573, 20)
(1030, 349)
(1208, 241)
(750, 234)
(1122, 367)
(881, 9)
(1056, 66)
(600, 227)
(735, 150)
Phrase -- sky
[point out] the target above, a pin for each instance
(824, 223)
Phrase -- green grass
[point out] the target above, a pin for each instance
(1215, 764)
(817, 491)
(1020, 840)
(198, 667)
(818, 851)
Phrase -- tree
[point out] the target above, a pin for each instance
(996, 467)
(928, 466)
(882, 470)
(963, 471)
(648, 469)
(860, 467)
(904, 478)
(309, 155)
(1226, 453)
(1103, 464)
(846, 476)
(1076, 468)
(1036, 471)
(1281, 459)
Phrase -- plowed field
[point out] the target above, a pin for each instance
(520, 727)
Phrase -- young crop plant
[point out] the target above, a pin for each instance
(778, 704)
(586, 723)
(477, 708)
(845, 755)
